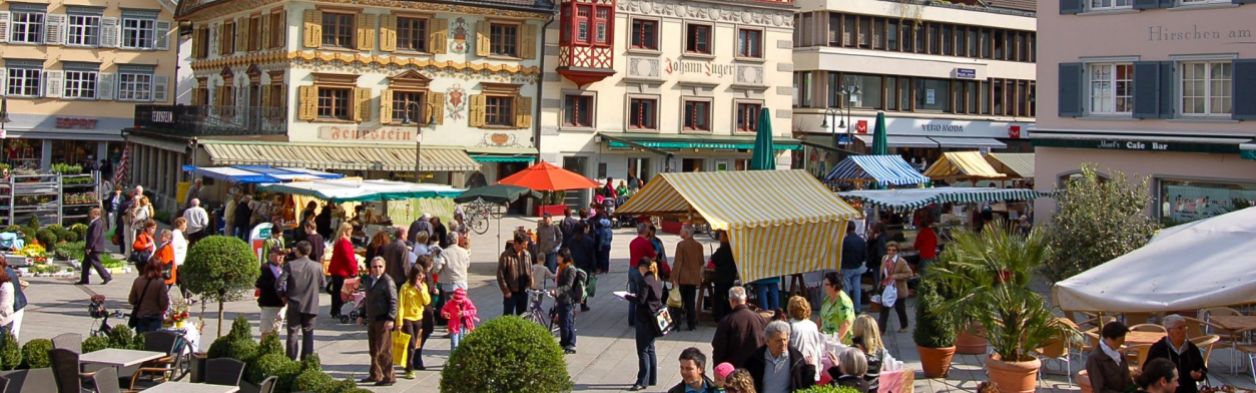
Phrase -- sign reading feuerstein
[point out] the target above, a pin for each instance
(381, 134)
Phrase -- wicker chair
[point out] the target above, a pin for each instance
(224, 371)
(1205, 344)
(70, 341)
(1148, 327)
(106, 380)
(1229, 338)
(268, 385)
(65, 370)
(164, 368)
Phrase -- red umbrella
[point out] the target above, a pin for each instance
(547, 177)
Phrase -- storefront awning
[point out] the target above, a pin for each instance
(950, 142)
(343, 190)
(339, 157)
(628, 140)
(1248, 150)
(962, 165)
(909, 199)
(901, 141)
(779, 222)
(258, 174)
(1019, 165)
(886, 170)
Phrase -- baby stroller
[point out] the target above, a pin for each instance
(100, 316)
(11, 241)
(352, 294)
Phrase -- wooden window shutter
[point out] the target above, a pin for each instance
(527, 41)
(366, 32)
(282, 40)
(263, 23)
(482, 41)
(1071, 83)
(476, 116)
(523, 112)
(361, 104)
(242, 34)
(308, 95)
(385, 107)
(265, 102)
(437, 39)
(387, 34)
(436, 106)
(224, 37)
(313, 28)
(196, 43)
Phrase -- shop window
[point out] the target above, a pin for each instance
(698, 39)
(696, 115)
(645, 34)
(750, 43)
(412, 34)
(578, 110)
(334, 103)
(338, 30)
(1183, 201)
(643, 113)
(748, 116)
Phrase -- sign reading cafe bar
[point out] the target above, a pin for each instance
(381, 134)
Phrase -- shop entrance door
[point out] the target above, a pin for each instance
(692, 165)
(577, 198)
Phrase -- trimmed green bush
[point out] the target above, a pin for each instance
(507, 354)
(276, 364)
(121, 337)
(220, 268)
(35, 353)
(47, 237)
(934, 327)
(33, 223)
(311, 363)
(235, 348)
(313, 381)
(241, 328)
(79, 229)
(95, 343)
(344, 385)
(270, 345)
(13, 228)
(10, 352)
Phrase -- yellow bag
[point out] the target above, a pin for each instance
(673, 297)
(400, 347)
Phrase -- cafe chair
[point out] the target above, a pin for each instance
(4, 384)
(1205, 345)
(1148, 327)
(65, 370)
(224, 371)
(1249, 351)
(267, 385)
(106, 381)
(1229, 338)
(70, 341)
(161, 369)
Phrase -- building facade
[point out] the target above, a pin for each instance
(638, 87)
(949, 76)
(72, 75)
(1157, 93)
(382, 89)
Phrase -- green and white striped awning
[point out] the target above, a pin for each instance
(909, 199)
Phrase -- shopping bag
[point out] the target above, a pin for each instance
(663, 322)
(888, 296)
(591, 287)
(673, 297)
(400, 347)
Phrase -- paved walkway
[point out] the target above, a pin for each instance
(606, 359)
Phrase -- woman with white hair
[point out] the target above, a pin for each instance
(852, 365)
(1182, 352)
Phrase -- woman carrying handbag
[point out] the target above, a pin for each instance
(896, 272)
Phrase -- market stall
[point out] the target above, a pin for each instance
(352, 190)
(963, 166)
(1171, 273)
(1014, 165)
(875, 170)
(909, 199)
(779, 223)
(258, 174)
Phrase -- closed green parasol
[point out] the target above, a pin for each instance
(880, 143)
(764, 155)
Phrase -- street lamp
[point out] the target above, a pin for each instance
(849, 93)
(420, 115)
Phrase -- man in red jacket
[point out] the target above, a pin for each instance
(640, 247)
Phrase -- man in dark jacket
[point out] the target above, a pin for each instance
(396, 257)
(566, 295)
(268, 297)
(854, 254)
(380, 308)
(777, 367)
(514, 276)
(299, 287)
(94, 245)
(725, 276)
(693, 373)
(739, 331)
(1108, 370)
(1182, 352)
(583, 252)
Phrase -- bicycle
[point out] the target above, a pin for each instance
(536, 310)
(100, 317)
(478, 213)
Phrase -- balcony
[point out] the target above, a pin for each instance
(212, 120)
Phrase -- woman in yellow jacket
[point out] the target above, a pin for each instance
(411, 301)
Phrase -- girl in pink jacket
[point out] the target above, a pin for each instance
(461, 315)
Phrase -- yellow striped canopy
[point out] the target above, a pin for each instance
(779, 222)
(962, 164)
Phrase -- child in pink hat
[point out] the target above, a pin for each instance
(461, 315)
(722, 371)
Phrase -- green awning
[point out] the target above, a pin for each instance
(1248, 150)
(628, 140)
(491, 159)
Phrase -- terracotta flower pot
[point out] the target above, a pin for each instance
(971, 341)
(1013, 377)
(936, 362)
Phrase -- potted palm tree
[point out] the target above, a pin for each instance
(990, 272)
(935, 330)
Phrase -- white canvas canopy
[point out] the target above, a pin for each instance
(1207, 263)
(353, 190)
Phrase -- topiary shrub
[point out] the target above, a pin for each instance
(313, 381)
(276, 364)
(121, 337)
(33, 223)
(241, 328)
(69, 236)
(219, 268)
(95, 343)
(232, 347)
(311, 363)
(934, 328)
(10, 352)
(79, 229)
(35, 353)
(344, 385)
(506, 354)
(270, 345)
(14, 228)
